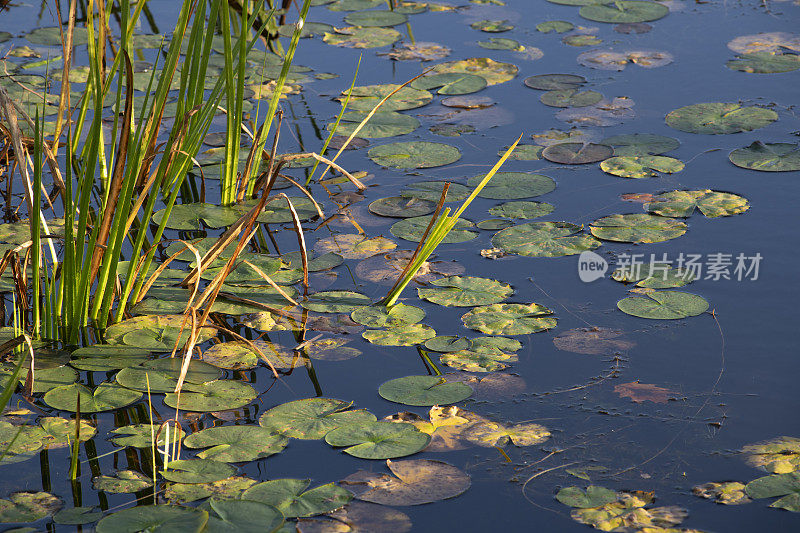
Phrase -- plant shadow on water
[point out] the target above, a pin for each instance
(291, 272)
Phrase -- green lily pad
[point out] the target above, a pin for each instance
(577, 153)
(77, 516)
(137, 436)
(555, 82)
(356, 37)
(412, 229)
(448, 343)
(291, 498)
(401, 207)
(726, 493)
(243, 516)
(767, 157)
(316, 263)
(777, 456)
(636, 144)
(544, 239)
(492, 26)
(509, 319)
(494, 224)
(407, 335)
(382, 124)
(653, 276)
(379, 316)
(355, 246)
(711, 203)
(122, 482)
(51, 36)
(720, 118)
(523, 152)
(155, 518)
(637, 228)
(163, 374)
(60, 432)
(366, 97)
(765, 63)
(229, 488)
(378, 440)
(473, 361)
(493, 71)
(514, 185)
(417, 482)
(231, 355)
(450, 83)
(248, 269)
(641, 166)
(352, 5)
(522, 209)
(193, 216)
(424, 391)
(785, 485)
(593, 496)
(28, 506)
(500, 43)
(624, 11)
(664, 305)
(107, 357)
(106, 397)
(375, 18)
(466, 291)
(214, 396)
(490, 434)
(236, 444)
(431, 191)
(312, 418)
(581, 39)
(557, 26)
(155, 332)
(570, 98)
(336, 301)
(415, 154)
(197, 471)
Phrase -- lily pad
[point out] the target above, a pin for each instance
(382, 124)
(711, 203)
(489, 434)
(523, 152)
(197, 471)
(163, 374)
(726, 493)
(514, 185)
(356, 37)
(213, 396)
(641, 166)
(415, 154)
(544, 239)
(375, 18)
(500, 43)
(637, 228)
(137, 436)
(107, 357)
(557, 26)
(244, 516)
(228, 489)
(492, 26)
(155, 518)
(291, 498)
(474, 361)
(592, 341)
(417, 481)
(106, 397)
(28, 506)
(509, 319)
(359, 516)
(777, 456)
(493, 71)
(355, 246)
(412, 229)
(570, 98)
(577, 153)
(336, 301)
(122, 482)
(431, 191)
(235, 444)
(555, 82)
(787, 486)
(379, 316)
(720, 118)
(448, 343)
(366, 97)
(451, 83)
(193, 216)
(407, 335)
(522, 209)
(593, 496)
(664, 305)
(623, 11)
(232, 355)
(378, 440)
(155, 332)
(401, 207)
(765, 42)
(765, 63)
(312, 418)
(424, 390)
(466, 291)
(636, 144)
(767, 157)
(653, 276)
(77, 516)
(581, 39)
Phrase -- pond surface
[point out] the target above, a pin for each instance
(640, 404)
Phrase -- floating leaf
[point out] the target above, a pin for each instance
(726, 493)
(366, 97)
(156, 332)
(711, 203)
(161, 518)
(643, 392)
(593, 496)
(412, 229)
(522, 209)
(466, 291)
(767, 157)
(162, 374)
(492, 26)
(137, 436)
(555, 82)
(415, 154)
(28, 506)
(378, 440)
(494, 224)
(765, 42)
(379, 316)
(448, 343)
(419, 51)
(654, 276)
(316, 263)
(523, 152)
(432, 191)
(491, 434)
(509, 319)
(623, 11)
(381, 124)
(358, 516)
(719, 118)
(451, 83)
(375, 18)
(765, 63)
(106, 397)
(197, 471)
(232, 355)
(385, 269)
(355, 246)
(641, 166)
(107, 357)
(228, 488)
(570, 98)
(243, 516)
(355, 37)
(331, 350)
(513, 185)
(494, 71)
(628, 512)
(474, 361)
(785, 485)
(213, 396)
(636, 144)
(312, 418)
(581, 39)
(424, 390)
(558, 26)
(236, 444)
(637, 228)
(407, 335)
(193, 216)
(602, 114)
(780, 455)
(401, 207)
(664, 305)
(592, 341)
(352, 5)
(291, 498)
(417, 481)
(577, 153)
(77, 516)
(544, 239)
(336, 301)
(500, 43)
(121, 482)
